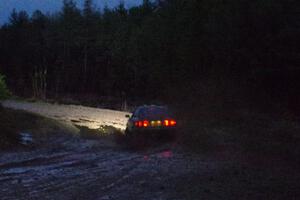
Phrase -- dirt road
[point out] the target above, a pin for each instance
(101, 169)
(90, 171)
(89, 117)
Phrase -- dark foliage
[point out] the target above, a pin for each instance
(4, 93)
(170, 50)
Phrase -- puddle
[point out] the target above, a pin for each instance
(26, 138)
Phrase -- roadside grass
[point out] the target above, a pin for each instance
(13, 122)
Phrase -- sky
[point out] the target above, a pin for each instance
(6, 6)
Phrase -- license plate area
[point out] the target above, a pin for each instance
(156, 123)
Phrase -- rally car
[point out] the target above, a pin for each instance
(151, 119)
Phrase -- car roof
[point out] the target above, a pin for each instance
(152, 106)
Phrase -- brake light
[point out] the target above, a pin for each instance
(169, 122)
(173, 123)
(166, 122)
(145, 123)
(138, 124)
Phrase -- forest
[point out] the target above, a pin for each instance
(208, 51)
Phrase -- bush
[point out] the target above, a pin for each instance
(4, 93)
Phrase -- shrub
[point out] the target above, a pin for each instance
(4, 93)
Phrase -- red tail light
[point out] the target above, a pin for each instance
(138, 124)
(144, 123)
(173, 123)
(168, 122)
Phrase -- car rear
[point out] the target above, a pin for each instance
(154, 119)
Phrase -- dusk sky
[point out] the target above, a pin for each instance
(6, 6)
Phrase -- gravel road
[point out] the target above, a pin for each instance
(91, 171)
(89, 117)
(101, 169)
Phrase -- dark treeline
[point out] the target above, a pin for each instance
(159, 50)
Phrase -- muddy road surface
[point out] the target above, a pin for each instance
(101, 168)
(89, 169)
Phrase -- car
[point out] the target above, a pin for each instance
(151, 119)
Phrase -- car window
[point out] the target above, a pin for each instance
(136, 112)
(154, 112)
